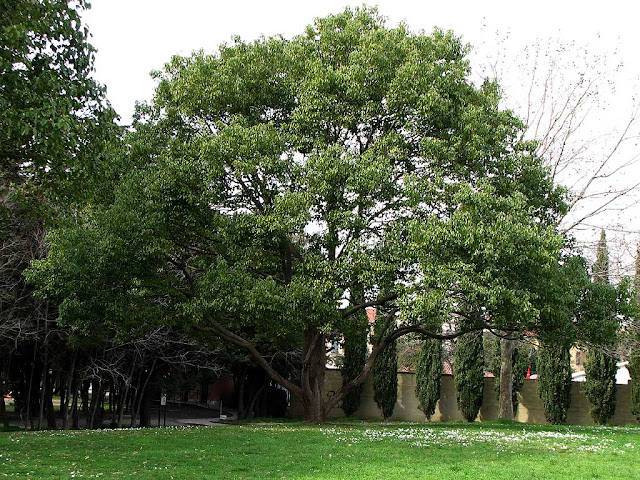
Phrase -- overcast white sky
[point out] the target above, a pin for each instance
(134, 37)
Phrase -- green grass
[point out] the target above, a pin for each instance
(295, 451)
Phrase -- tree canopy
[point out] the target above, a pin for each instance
(54, 118)
(269, 181)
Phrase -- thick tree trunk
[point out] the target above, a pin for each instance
(313, 372)
(507, 347)
(141, 394)
(95, 419)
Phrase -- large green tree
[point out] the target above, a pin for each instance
(55, 124)
(271, 180)
(54, 119)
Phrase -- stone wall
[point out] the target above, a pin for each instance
(529, 410)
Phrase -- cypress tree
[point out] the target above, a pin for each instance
(634, 369)
(554, 381)
(601, 265)
(469, 374)
(355, 356)
(634, 361)
(600, 386)
(600, 368)
(428, 375)
(385, 379)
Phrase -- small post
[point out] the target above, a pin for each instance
(163, 406)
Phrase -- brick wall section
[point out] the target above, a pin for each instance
(529, 410)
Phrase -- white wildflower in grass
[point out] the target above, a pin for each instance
(424, 437)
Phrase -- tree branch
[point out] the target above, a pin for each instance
(361, 306)
(217, 329)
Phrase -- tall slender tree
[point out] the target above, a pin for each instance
(554, 381)
(600, 385)
(600, 366)
(601, 265)
(634, 354)
(429, 375)
(385, 380)
(468, 374)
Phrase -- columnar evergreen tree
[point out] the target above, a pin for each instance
(385, 380)
(634, 370)
(429, 375)
(600, 385)
(469, 374)
(355, 356)
(600, 366)
(601, 265)
(554, 381)
(634, 360)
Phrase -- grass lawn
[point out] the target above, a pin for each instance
(360, 451)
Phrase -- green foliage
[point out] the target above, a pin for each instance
(600, 385)
(409, 347)
(600, 368)
(54, 121)
(634, 370)
(355, 355)
(521, 363)
(554, 381)
(634, 335)
(269, 178)
(491, 349)
(385, 380)
(469, 374)
(429, 375)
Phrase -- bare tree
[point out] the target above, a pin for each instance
(576, 105)
(579, 105)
